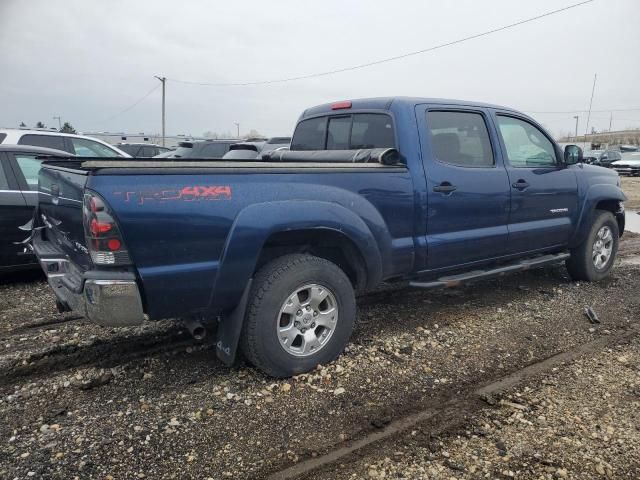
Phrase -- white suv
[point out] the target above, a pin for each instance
(75, 144)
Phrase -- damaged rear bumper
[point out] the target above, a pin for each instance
(110, 298)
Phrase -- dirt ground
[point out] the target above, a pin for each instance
(631, 187)
(82, 401)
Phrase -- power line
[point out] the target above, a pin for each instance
(585, 111)
(130, 106)
(387, 59)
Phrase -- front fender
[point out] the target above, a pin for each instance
(593, 195)
(256, 223)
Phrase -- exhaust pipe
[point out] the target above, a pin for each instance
(197, 330)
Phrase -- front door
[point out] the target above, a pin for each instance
(467, 187)
(544, 193)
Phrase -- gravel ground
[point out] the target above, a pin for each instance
(579, 421)
(631, 187)
(81, 401)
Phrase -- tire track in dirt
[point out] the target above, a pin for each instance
(446, 413)
(104, 353)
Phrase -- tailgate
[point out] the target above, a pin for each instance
(60, 201)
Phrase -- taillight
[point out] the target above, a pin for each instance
(104, 241)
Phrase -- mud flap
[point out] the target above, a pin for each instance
(230, 327)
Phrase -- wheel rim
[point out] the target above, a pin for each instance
(307, 320)
(602, 248)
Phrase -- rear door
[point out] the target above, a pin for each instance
(14, 212)
(467, 186)
(544, 193)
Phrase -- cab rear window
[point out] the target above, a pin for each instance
(344, 132)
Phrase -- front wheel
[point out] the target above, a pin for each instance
(593, 259)
(300, 314)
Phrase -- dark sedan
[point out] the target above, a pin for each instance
(19, 167)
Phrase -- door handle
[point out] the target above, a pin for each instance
(520, 184)
(444, 187)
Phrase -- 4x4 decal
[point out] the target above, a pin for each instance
(186, 194)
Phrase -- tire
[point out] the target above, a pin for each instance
(581, 265)
(270, 339)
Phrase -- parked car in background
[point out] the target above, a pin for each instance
(629, 165)
(602, 158)
(78, 145)
(242, 151)
(202, 149)
(19, 167)
(143, 150)
(275, 143)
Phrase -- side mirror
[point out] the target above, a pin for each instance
(572, 155)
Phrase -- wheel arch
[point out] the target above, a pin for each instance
(599, 197)
(264, 231)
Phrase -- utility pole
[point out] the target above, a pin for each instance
(237, 129)
(59, 123)
(593, 89)
(576, 117)
(164, 82)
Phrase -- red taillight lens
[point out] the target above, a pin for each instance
(103, 238)
(98, 228)
(114, 244)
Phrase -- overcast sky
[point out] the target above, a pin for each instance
(89, 60)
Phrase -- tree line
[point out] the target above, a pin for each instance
(66, 128)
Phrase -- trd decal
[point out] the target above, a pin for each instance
(185, 194)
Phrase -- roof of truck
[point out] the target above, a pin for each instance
(384, 103)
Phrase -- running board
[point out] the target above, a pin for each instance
(519, 266)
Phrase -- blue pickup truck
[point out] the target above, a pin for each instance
(272, 253)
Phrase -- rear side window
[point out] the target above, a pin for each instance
(460, 138)
(345, 132)
(309, 134)
(371, 130)
(29, 166)
(89, 148)
(48, 141)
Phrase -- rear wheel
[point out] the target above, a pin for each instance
(300, 314)
(593, 259)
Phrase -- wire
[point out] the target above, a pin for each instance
(130, 106)
(585, 111)
(384, 60)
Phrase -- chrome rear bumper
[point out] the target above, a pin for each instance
(109, 298)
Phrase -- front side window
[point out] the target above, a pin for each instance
(89, 148)
(29, 166)
(460, 138)
(526, 145)
(47, 141)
